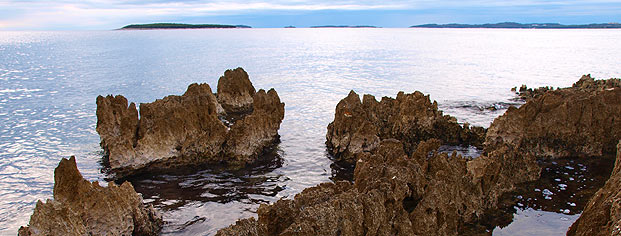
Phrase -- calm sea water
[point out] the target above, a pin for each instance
(49, 82)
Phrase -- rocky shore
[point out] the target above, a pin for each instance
(602, 215)
(403, 186)
(580, 121)
(83, 208)
(232, 127)
(410, 118)
(585, 83)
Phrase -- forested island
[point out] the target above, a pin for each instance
(179, 26)
(514, 25)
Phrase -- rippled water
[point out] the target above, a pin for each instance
(49, 82)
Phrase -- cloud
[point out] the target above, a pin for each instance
(103, 14)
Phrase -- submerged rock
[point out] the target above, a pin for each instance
(572, 122)
(425, 193)
(360, 126)
(83, 208)
(186, 130)
(602, 215)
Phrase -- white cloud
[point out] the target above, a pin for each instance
(33, 14)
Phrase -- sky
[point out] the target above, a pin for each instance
(113, 14)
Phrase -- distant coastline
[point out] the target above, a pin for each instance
(179, 26)
(344, 26)
(514, 25)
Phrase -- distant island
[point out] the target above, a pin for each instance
(344, 26)
(514, 25)
(179, 26)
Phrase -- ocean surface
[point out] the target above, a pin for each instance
(49, 82)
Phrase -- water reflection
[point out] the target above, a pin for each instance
(557, 198)
(174, 191)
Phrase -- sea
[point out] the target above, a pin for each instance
(49, 82)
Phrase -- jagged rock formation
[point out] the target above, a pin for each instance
(402, 187)
(186, 129)
(411, 118)
(585, 83)
(572, 122)
(602, 215)
(83, 208)
(235, 91)
(425, 193)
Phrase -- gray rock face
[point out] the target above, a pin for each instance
(186, 130)
(360, 126)
(83, 208)
(602, 215)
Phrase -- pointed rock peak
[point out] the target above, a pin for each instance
(66, 178)
(198, 89)
(235, 91)
(235, 81)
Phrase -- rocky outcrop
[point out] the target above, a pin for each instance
(83, 208)
(187, 130)
(425, 193)
(585, 83)
(572, 122)
(360, 126)
(235, 91)
(602, 215)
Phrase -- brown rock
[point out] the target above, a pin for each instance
(185, 130)
(360, 126)
(602, 215)
(235, 91)
(248, 137)
(425, 193)
(585, 83)
(83, 208)
(561, 123)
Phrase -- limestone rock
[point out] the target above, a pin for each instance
(187, 130)
(602, 215)
(425, 193)
(585, 83)
(235, 91)
(248, 137)
(83, 208)
(561, 123)
(360, 126)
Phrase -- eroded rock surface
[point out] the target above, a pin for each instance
(585, 83)
(360, 126)
(186, 129)
(235, 91)
(570, 122)
(83, 208)
(602, 215)
(425, 193)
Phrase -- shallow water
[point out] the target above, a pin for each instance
(49, 82)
